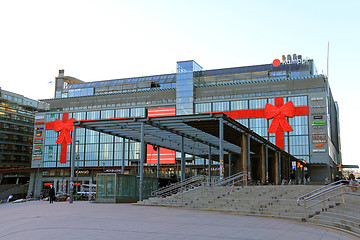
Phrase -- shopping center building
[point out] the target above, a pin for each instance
(286, 103)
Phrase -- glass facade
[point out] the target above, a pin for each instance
(93, 148)
(97, 149)
(123, 188)
(185, 87)
(17, 115)
(298, 139)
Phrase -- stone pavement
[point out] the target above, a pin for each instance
(84, 220)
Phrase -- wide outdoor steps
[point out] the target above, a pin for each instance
(277, 201)
(344, 216)
(271, 201)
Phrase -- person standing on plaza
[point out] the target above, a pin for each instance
(51, 194)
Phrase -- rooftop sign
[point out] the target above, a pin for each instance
(286, 60)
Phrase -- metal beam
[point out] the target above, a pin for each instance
(123, 156)
(249, 170)
(210, 162)
(158, 163)
(266, 163)
(183, 170)
(142, 160)
(230, 158)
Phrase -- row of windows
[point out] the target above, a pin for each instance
(246, 104)
(259, 94)
(110, 152)
(124, 104)
(115, 89)
(22, 100)
(105, 114)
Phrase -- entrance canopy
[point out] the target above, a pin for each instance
(199, 132)
(201, 135)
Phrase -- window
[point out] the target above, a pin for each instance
(92, 136)
(202, 107)
(257, 103)
(259, 125)
(91, 153)
(239, 105)
(299, 124)
(79, 115)
(243, 121)
(93, 115)
(137, 112)
(220, 106)
(122, 113)
(107, 114)
(299, 101)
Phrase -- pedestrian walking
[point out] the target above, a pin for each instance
(51, 194)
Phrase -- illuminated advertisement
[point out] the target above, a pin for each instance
(318, 123)
(166, 156)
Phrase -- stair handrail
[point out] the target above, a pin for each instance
(211, 181)
(240, 176)
(174, 188)
(321, 192)
(321, 189)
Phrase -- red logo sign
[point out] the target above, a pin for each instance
(276, 63)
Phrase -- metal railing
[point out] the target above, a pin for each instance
(214, 182)
(326, 193)
(197, 182)
(181, 186)
(233, 180)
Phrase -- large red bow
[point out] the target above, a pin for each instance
(65, 128)
(279, 114)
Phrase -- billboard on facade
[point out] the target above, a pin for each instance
(166, 156)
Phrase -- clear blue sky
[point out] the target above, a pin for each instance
(100, 40)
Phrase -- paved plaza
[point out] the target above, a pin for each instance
(84, 220)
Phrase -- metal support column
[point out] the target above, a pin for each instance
(158, 163)
(262, 164)
(221, 147)
(276, 168)
(280, 177)
(72, 165)
(210, 162)
(288, 169)
(183, 169)
(123, 156)
(266, 163)
(248, 157)
(230, 158)
(204, 166)
(142, 160)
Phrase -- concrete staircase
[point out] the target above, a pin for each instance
(270, 201)
(341, 216)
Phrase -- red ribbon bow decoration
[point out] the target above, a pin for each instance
(65, 128)
(279, 114)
